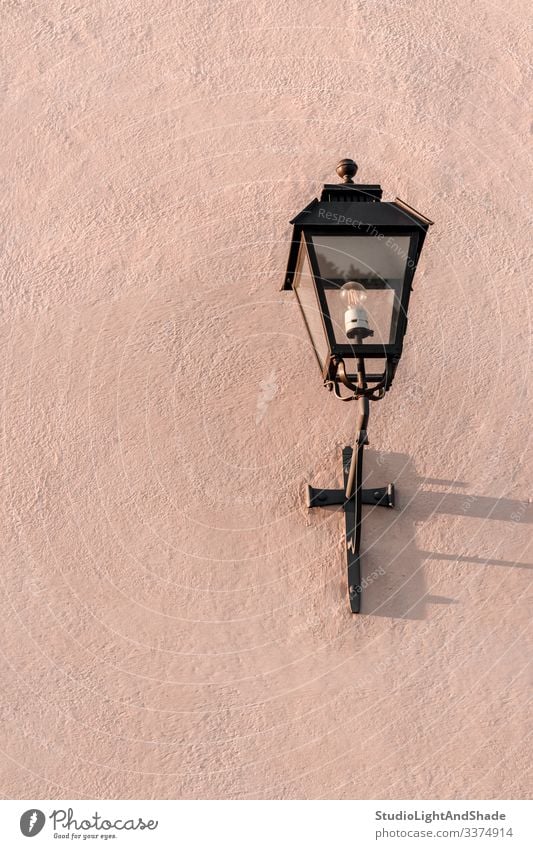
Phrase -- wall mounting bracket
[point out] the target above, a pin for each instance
(352, 497)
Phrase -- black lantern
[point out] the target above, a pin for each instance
(351, 266)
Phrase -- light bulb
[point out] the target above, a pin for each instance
(353, 293)
(355, 317)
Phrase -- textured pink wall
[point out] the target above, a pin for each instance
(174, 622)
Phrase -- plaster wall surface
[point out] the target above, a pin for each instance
(174, 621)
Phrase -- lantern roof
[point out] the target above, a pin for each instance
(358, 206)
(357, 209)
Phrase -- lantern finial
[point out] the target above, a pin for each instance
(347, 169)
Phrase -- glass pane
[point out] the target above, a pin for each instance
(378, 264)
(304, 288)
(362, 257)
(381, 306)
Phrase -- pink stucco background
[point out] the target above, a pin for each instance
(174, 621)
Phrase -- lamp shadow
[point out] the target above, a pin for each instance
(475, 506)
(393, 577)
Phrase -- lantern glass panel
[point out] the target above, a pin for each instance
(304, 288)
(382, 307)
(378, 265)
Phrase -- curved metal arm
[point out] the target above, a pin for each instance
(353, 496)
(361, 439)
(360, 389)
(334, 384)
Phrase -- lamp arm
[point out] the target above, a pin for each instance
(352, 496)
(360, 389)
(361, 439)
(353, 489)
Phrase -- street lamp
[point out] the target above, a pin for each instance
(351, 265)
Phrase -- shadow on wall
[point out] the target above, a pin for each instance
(389, 551)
